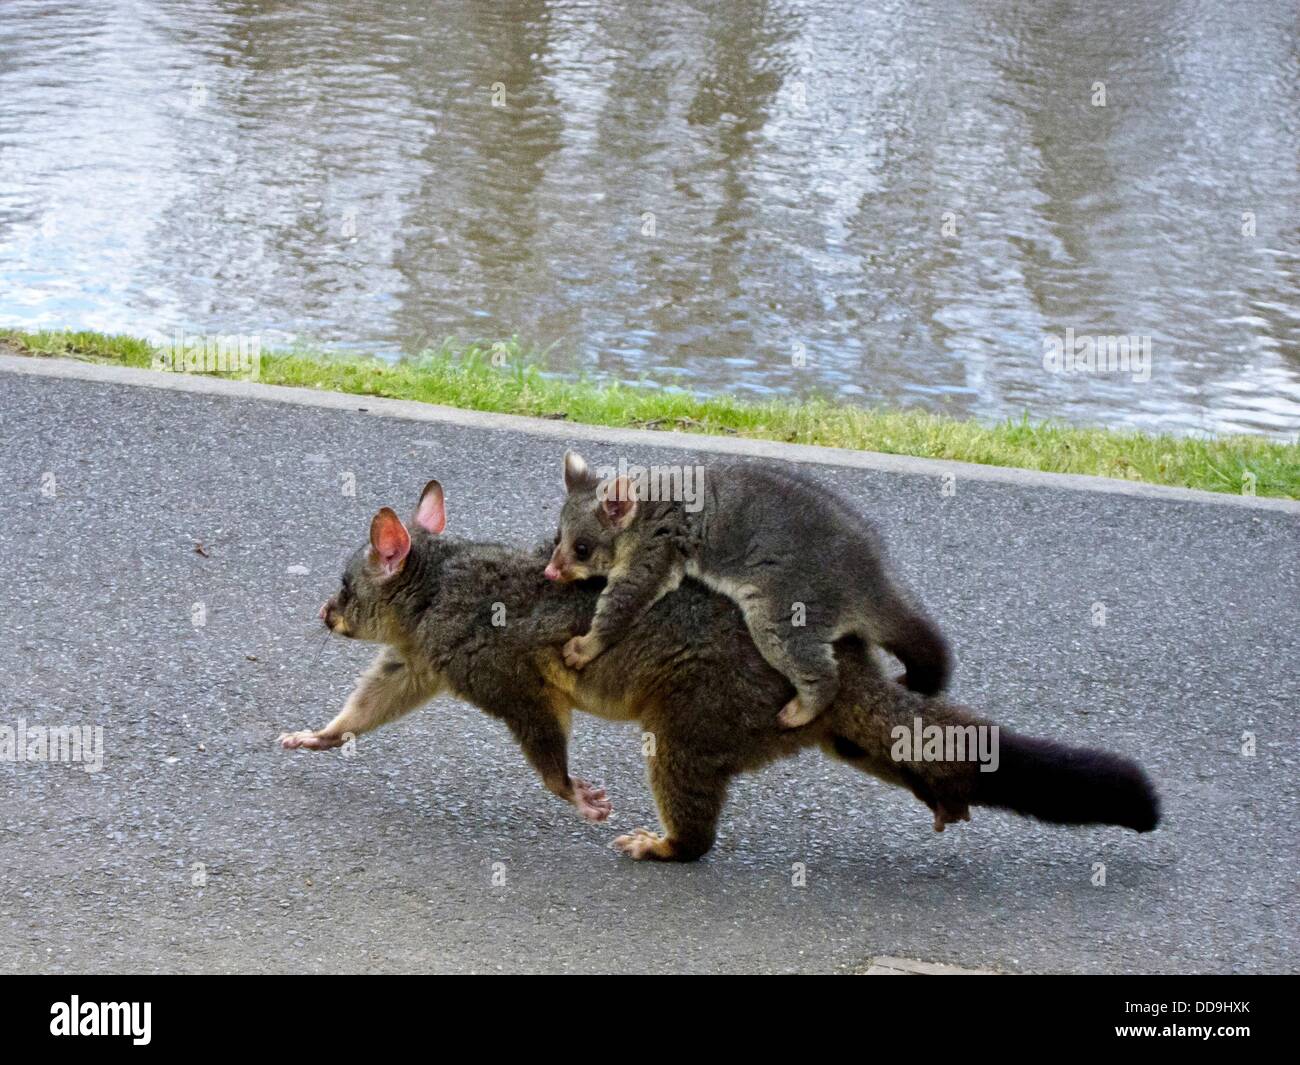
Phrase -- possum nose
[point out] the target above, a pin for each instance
(324, 612)
(551, 573)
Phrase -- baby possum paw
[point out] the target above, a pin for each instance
(590, 800)
(793, 714)
(641, 844)
(309, 741)
(580, 650)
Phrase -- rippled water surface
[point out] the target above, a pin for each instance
(892, 202)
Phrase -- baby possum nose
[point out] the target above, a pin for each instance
(551, 573)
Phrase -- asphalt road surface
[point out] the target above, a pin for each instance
(201, 846)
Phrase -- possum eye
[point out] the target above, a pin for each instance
(581, 550)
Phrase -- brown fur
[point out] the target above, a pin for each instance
(692, 678)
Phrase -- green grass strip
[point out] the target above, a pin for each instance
(503, 377)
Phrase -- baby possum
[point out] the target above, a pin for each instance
(802, 564)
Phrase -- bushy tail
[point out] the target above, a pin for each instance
(1068, 785)
(874, 724)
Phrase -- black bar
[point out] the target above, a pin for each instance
(216, 1014)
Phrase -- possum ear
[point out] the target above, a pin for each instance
(618, 502)
(432, 513)
(389, 542)
(577, 474)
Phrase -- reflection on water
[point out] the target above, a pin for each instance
(894, 202)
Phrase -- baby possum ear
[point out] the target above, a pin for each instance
(432, 512)
(577, 474)
(389, 542)
(618, 502)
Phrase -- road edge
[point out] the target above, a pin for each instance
(412, 410)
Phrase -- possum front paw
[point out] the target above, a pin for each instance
(581, 650)
(590, 800)
(309, 741)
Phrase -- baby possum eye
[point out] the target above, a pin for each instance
(581, 550)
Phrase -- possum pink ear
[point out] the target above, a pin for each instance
(432, 514)
(618, 502)
(389, 542)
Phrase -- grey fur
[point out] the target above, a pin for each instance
(804, 566)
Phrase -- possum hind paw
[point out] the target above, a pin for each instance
(949, 813)
(641, 844)
(793, 714)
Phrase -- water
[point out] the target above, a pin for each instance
(896, 202)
